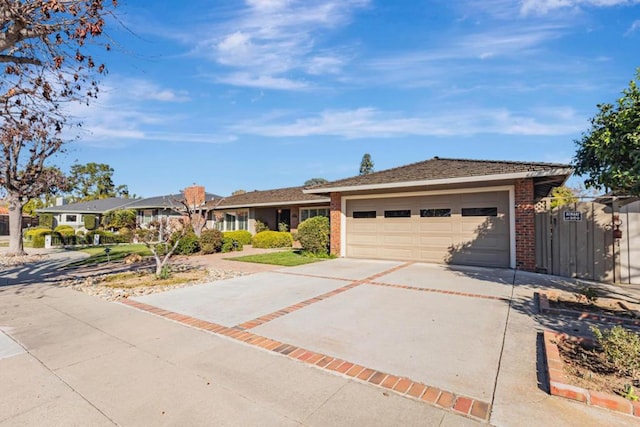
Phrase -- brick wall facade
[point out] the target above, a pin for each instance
(335, 218)
(194, 195)
(525, 225)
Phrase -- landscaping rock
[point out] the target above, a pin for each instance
(94, 285)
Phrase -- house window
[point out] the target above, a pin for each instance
(147, 216)
(71, 218)
(364, 214)
(435, 213)
(306, 213)
(229, 221)
(479, 211)
(243, 220)
(233, 221)
(399, 213)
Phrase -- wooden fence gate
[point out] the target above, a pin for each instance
(577, 240)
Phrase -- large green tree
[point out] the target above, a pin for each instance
(45, 64)
(94, 181)
(609, 153)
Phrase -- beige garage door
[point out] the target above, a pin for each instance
(471, 229)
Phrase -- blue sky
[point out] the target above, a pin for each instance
(259, 94)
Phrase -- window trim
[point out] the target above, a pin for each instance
(479, 211)
(327, 208)
(423, 212)
(364, 214)
(222, 225)
(397, 213)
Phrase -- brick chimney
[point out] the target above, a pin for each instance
(194, 195)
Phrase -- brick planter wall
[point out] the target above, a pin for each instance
(335, 218)
(525, 225)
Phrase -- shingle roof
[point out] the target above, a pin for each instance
(442, 168)
(166, 201)
(92, 206)
(274, 197)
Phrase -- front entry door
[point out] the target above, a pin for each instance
(283, 215)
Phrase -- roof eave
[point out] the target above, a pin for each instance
(431, 182)
(266, 204)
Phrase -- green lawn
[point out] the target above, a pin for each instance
(97, 254)
(284, 258)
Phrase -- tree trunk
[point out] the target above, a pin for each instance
(15, 225)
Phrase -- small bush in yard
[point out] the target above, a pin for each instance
(189, 244)
(241, 236)
(65, 230)
(229, 246)
(210, 241)
(622, 348)
(272, 239)
(313, 235)
(260, 226)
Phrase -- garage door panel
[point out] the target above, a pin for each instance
(435, 227)
(397, 227)
(436, 241)
(362, 251)
(397, 239)
(481, 240)
(363, 227)
(397, 253)
(364, 239)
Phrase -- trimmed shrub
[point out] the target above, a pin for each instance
(106, 237)
(241, 236)
(125, 235)
(313, 235)
(228, 245)
(45, 220)
(272, 239)
(189, 244)
(31, 232)
(260, 226)
(210, 241)
(67, 234)
(90, 222)
(37, 236)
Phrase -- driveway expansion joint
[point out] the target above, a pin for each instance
(250, 324)
(406, 387)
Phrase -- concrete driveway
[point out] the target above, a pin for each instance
(341, 342)
(439, 328)
(424, 322)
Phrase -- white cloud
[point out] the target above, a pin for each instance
(635, 26)
(372, 123)
(134, 110)
(262, 82)
(545, 6)
(270, 40)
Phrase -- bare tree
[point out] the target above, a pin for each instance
(46, 64)
(157, 237)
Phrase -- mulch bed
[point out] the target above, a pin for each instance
(587, 366)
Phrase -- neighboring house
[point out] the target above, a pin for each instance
(458, 211)
(27, 220)
(147, 209)
(171, 206)
(283, 205)
(73, 213)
